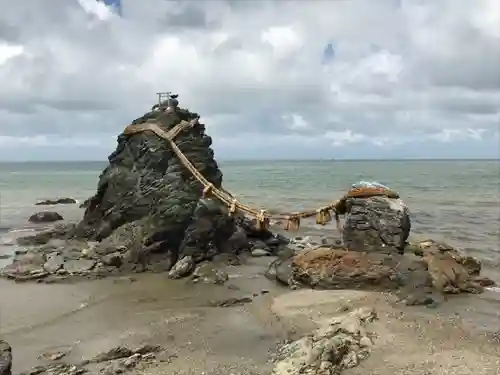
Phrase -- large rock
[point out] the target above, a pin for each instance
(148, 212)
(144, 179)
(45, 217)
(417, 279)
(376, 224)
(5, 358)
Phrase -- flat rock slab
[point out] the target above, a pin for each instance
(54, 263)
(79, 265)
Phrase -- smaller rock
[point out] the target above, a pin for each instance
(147, 348)
(365, 341)
(56, 369)
(226, 259)
(208, 273)
(182, 268)
(114, 259)
(45, 217)
(484, 281)
(148, 356)
(53, 263)
(238, 240)
(47, 202)
(230, 302)
(112, 354)
(53, 356)
(277, 240)
(260, 253)
(132, 360)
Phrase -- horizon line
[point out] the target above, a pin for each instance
(269, 159)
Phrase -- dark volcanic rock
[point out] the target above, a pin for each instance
(145, 189)
(148, 214)
(45, 217)
(376, 224)
(5, 358)
(48, 202)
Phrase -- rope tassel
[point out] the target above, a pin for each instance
(293, 223)
(262, 221)
(323, 216)
(232, 208)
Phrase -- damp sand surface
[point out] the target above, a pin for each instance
(88, 318)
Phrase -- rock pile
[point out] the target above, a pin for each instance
(118, 360)
(421, 276)
(340, 344)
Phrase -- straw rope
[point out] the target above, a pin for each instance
(322, 214)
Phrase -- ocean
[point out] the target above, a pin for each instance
(455, 201)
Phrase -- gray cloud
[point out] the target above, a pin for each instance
(399, 72)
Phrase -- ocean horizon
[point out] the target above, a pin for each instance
(266, 159)
(457, 201)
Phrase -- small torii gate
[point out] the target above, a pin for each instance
(166, 96)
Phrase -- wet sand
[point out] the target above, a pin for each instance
(92, 317)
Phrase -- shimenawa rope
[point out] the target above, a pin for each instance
(323, 214)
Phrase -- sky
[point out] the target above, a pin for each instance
(342, 79)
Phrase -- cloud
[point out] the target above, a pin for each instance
(351, 77)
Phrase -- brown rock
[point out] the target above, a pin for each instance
(471, 264)
(448, 275)
(339, 269)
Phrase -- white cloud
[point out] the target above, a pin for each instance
(97, 8)
(9, 142)
(423, 70)
(344, 137)
(8, 51)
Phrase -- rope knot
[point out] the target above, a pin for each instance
(232, 208)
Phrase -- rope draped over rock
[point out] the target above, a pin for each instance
(263, 217)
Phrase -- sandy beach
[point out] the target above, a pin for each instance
(199, 337)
